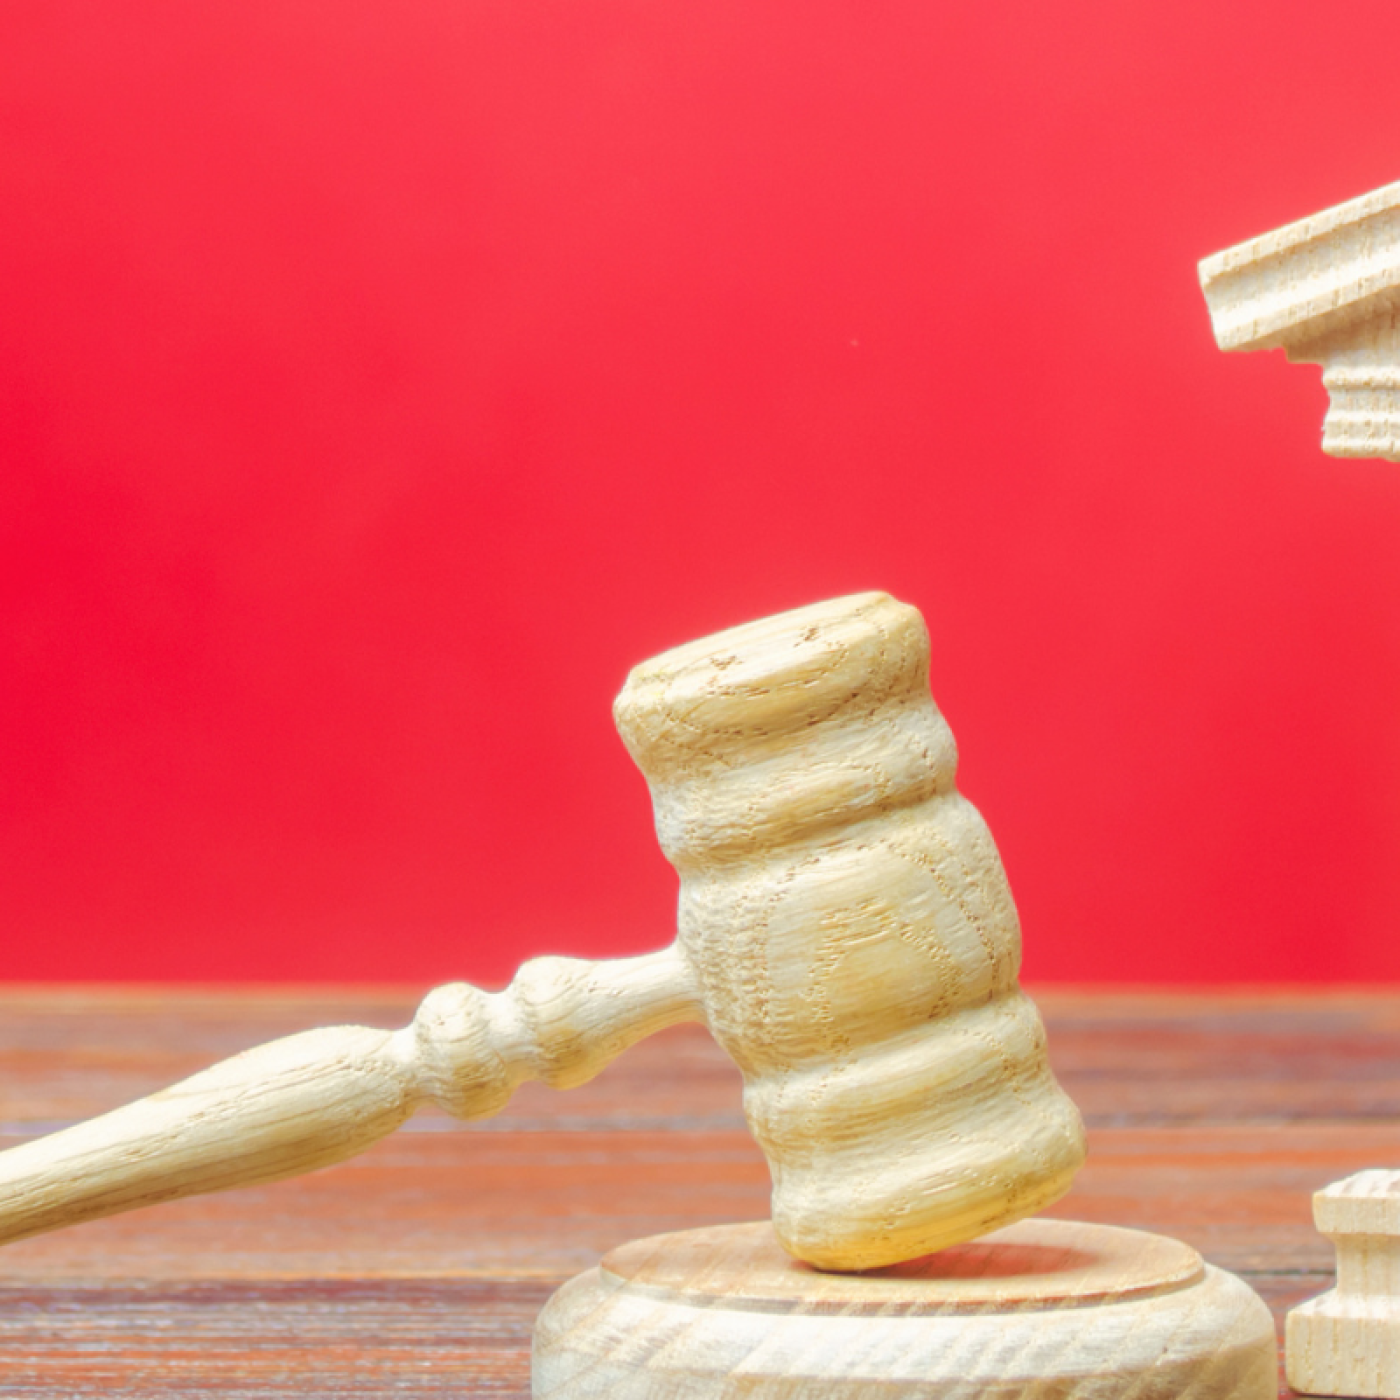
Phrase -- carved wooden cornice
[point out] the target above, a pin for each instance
(1327, 290)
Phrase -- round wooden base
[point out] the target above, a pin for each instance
(1042, 1310)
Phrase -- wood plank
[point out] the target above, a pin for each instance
(237, 1339)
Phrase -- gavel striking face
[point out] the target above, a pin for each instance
(845, 931)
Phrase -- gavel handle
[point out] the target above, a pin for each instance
(314, 1099)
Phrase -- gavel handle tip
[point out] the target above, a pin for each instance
(279, 1110)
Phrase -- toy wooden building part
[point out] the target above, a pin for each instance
(1347, 1341)
(1326, 289)
(847, 934)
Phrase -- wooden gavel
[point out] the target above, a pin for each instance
(845, 931)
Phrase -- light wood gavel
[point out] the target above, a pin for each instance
(845, 931)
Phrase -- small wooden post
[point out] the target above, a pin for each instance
(1347, 1341)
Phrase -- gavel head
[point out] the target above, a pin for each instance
(848, 924)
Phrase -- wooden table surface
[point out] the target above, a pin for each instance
(416, 1270)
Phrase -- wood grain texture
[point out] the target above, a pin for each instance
(417, 1269)
(1347, 1341)
(846, 932)
(1043, 1308)
(850, 931)
(1327, 290)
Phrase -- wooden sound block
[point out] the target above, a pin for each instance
(1043, 1308)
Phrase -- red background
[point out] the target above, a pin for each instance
(379, 381)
